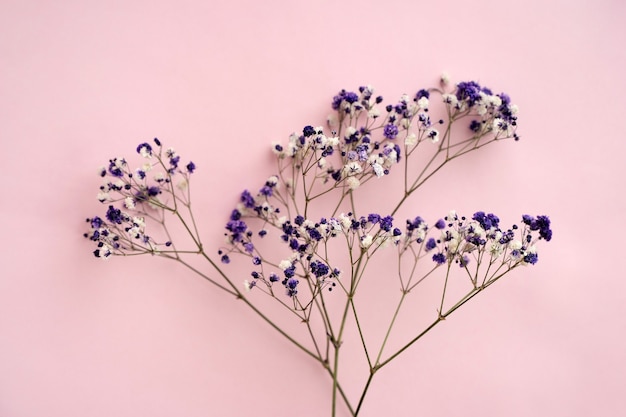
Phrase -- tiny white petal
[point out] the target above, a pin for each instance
(373, 113)
(444, 79)
(433, 134)
(378, 170)
(129, 203)
(102, 197)
(346, 221)
(143, 151)
(352, 168)
(450, 99)
(182, 184)
(353, 183)
(366, 241)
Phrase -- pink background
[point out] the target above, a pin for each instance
(84, 81)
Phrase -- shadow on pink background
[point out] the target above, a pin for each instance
(84, 81)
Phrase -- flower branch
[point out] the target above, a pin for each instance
(299, 255)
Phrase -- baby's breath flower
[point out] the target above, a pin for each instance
(378, 169)
(129, 203)
(352, 168)
(450, 100)
(332, 120)
(284, 264)
(433, 135)
(103, 252)
(345, 220)
(145, 150)
(333, 141)
(182, 184)
(278, 150)
(373, 113)
(444, 79)
(353, 183)
(366, 241)
(390, 131)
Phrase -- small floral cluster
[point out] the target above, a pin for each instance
(461, 238)
(360, 156)
(374, 145)
(132, 196)
(367, 141)
(497, 113)
(457, 240)
(303, 237)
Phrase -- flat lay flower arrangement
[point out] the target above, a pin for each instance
(306, 236)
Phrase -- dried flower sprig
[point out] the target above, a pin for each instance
(300, 256)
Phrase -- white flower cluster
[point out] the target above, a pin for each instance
(481, 235)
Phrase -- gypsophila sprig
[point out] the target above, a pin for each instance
(135, 196)
(306, 240)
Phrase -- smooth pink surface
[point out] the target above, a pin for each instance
(83, 81)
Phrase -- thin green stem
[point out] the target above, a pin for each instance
(391, 324)
(361, 335)
(364, 392)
